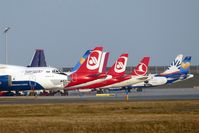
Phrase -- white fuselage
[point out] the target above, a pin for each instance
(161, 80)
(128, 82)
(38, 77)
(154, 81)
(84, 85)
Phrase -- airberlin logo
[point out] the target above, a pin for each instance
(141, 69)
(93, 61)
(120, 65)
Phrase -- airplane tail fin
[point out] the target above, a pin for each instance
(185, 65)
(38, 59)
(119, 67)
(92, 63)
(104, 62)
(175, 65)
(142, 68)
(81, 61)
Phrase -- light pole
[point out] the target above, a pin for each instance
(6, 47)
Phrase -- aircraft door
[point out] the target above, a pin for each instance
(9, 80)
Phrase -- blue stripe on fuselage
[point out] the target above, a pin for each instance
(173, 77)
(21, 86)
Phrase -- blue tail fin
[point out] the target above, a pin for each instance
(185, 65)
(38, 59)
(81, 61)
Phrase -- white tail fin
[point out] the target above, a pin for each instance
(103, 62)
(175, 65)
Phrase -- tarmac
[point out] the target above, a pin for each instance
(148, 94)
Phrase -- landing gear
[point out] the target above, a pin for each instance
(127, 89)
(100, 91)
(65, 93)
(32, 93)
(9, 93)
(17, 93)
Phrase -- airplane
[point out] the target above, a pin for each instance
(38, 60)
(117, 70)
(35, 76)
(182, 74)
(177, 71)
(91, 71)
(138, 75)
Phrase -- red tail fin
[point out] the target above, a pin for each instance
(142, 67)
(92, 63)
(119, 67)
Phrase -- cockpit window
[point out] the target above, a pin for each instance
(58, 72)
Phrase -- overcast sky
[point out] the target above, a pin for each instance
(65, 29)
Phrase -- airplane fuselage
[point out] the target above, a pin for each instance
(127, 82)
(27, 78)
(82, 80)
(158, 80)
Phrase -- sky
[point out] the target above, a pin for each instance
(65, 29)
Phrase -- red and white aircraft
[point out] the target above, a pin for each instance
(116, 77)
(138, 75)
(115, 72)
(91, 71)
